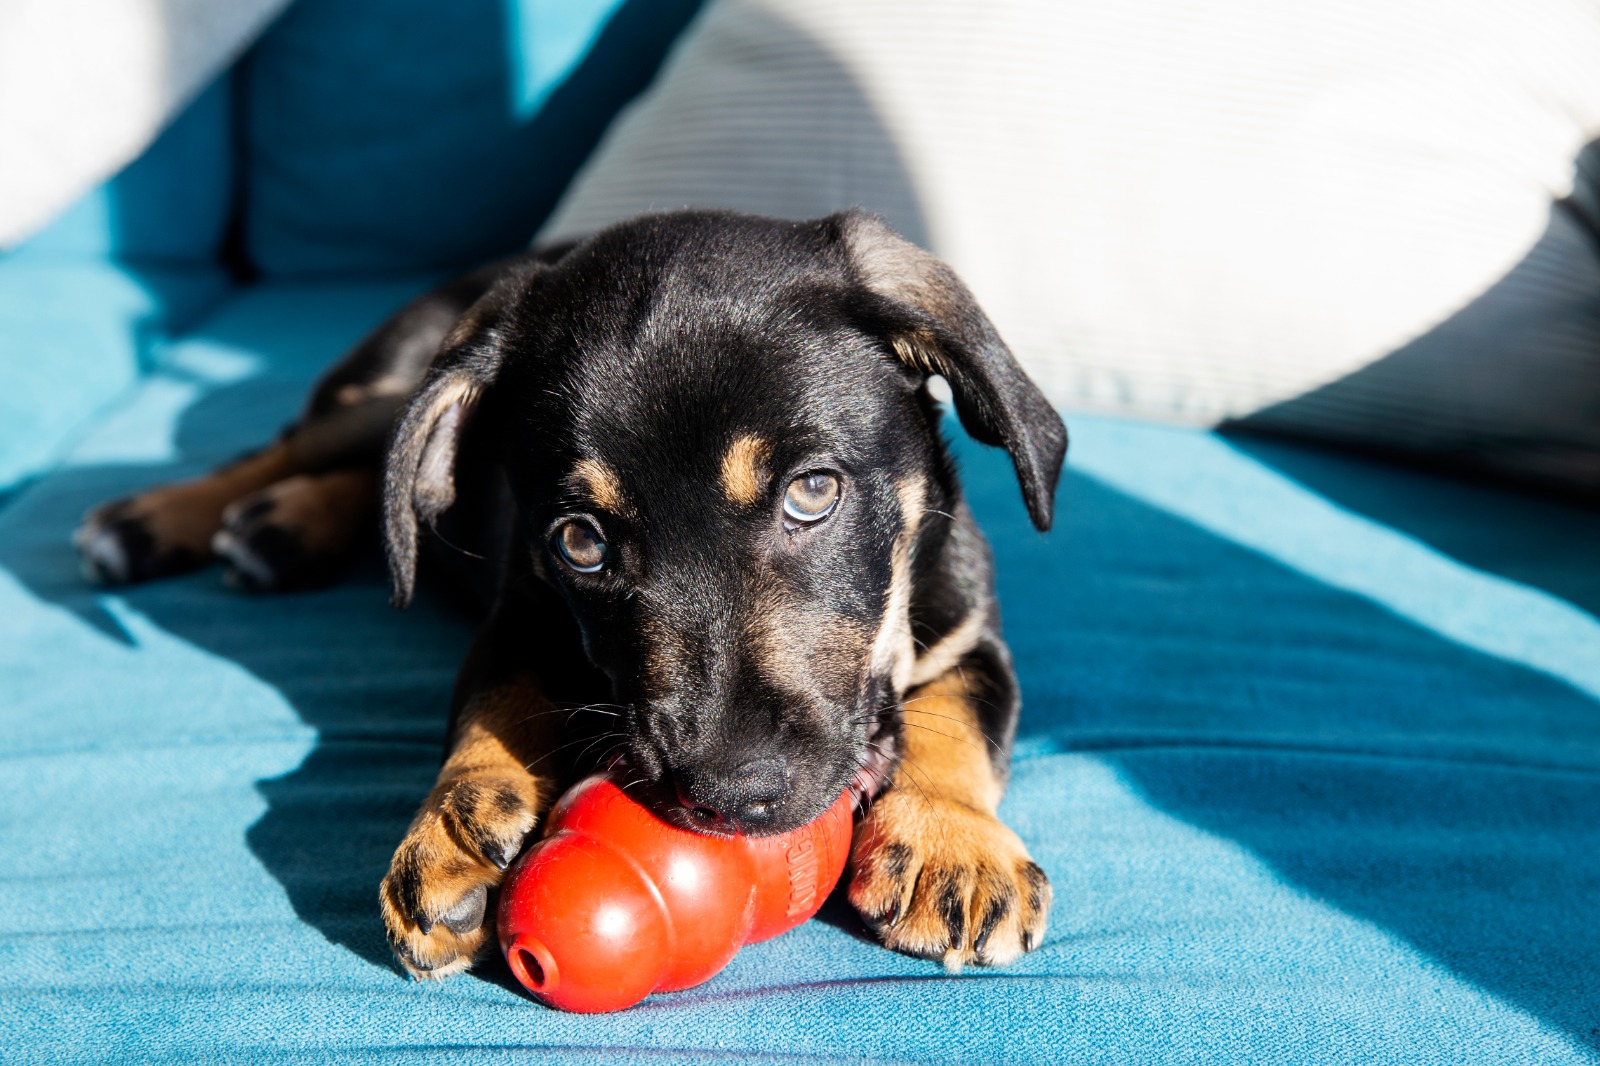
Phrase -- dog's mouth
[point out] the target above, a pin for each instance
(882, 751)
(875, 761)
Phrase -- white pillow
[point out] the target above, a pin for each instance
(86, 85)
(1336, 217)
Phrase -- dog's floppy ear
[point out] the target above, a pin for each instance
(419, 476)
(935, 326)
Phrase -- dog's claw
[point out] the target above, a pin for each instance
(244, 569)
(114, 549)
(501, 853)
(102, 558)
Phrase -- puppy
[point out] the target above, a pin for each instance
(720, 537)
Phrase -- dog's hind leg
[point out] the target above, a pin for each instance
(290, 514)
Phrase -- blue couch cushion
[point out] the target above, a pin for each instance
(393, 135)
(1310, 748)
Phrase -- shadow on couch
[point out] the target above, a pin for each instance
(1507, 385)
(1381, 768)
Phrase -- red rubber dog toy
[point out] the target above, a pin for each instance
(614, 903)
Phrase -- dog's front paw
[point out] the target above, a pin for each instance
(946, 881)
(436, 897)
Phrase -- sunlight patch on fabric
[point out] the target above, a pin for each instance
(1205, 481)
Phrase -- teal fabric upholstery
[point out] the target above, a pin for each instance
(377, 138)
(1310, 748)
(395, 135)
(76, 333)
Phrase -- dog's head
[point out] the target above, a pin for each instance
(719, 437)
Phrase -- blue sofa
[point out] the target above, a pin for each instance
(1310, 746)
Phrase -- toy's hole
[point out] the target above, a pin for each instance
(532, 965)
(532, 972)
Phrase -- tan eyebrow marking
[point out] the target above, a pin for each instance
(744, 469)
(600, 482)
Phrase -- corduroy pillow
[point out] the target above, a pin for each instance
(1349, 219)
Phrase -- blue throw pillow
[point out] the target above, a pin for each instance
(397, 135)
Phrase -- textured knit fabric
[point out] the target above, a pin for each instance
(1340, 218)
(1310, 749)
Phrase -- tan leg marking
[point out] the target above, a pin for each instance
(933, 870)
(744, 470)
(487, 800)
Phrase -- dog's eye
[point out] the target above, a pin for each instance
(580, 547)
(811, 497)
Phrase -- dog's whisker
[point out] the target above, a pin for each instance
(967, 727)
(951, 736)
(932, 782)
(595, 703)
(568, 710)
(598, 740)
(951, 718)
(448, 543)
(906, 764)
(558, 749)
(965, 696)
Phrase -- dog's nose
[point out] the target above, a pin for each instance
(745, 798)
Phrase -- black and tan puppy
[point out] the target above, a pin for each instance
(724, 539)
